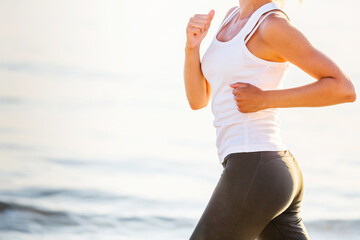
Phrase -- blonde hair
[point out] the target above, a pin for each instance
(282, 2)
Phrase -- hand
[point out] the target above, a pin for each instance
(248, 97)
(197, 29)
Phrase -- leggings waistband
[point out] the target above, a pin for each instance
(282, 153)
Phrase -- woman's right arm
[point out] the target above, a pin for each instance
(198, 90)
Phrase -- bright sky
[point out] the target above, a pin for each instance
(145, 36)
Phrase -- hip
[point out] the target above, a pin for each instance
(277, 171)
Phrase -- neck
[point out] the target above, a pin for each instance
(248, 7)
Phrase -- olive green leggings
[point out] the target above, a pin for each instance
(258, 196)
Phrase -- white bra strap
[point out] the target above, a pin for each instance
(228, 18)
(259, 22)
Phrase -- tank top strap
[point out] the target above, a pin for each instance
(254, 18)
(247, 37)
(236, 9)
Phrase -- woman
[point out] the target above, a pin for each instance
(261, 187)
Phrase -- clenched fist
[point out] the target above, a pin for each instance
(197, 28)
(248, 97)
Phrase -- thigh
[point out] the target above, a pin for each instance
(226, 200)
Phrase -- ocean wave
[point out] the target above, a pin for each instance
(27, 218)
(55, 193)
(333, 229)
(8, 206)
(21, 217)
(352, 225)
(16, 217)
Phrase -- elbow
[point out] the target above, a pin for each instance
(342, 90)
(199, 103)
(197, 107)
(349, 92)
(193, 107)
(352, 97)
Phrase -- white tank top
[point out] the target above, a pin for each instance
(229, 62)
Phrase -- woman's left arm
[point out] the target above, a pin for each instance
(332, 87)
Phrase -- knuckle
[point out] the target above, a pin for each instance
(205, 26)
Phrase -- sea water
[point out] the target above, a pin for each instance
(97, 140)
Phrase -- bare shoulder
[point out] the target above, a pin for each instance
(276, 21)
(276, 30)
(289, 43)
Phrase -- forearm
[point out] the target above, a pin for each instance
(324, 92)
(195, 83)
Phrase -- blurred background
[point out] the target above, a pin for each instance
(97, 140)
